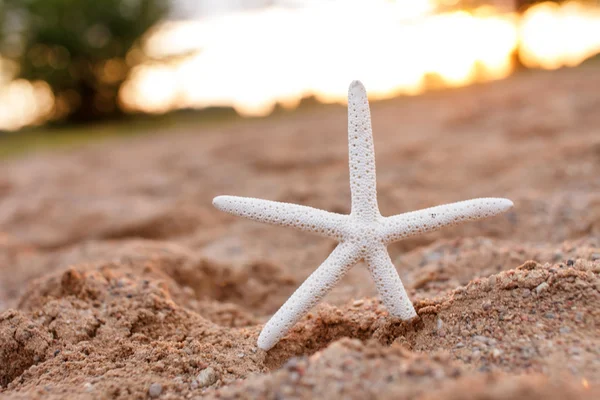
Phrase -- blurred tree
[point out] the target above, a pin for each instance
(79, 47)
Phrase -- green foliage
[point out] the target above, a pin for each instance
(79, 47)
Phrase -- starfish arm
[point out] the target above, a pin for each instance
(363, 184)
(304, 218)
(431, 219)
(389, 285)
(314, 288)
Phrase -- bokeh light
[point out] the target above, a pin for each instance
(24, 103)
(554, 36)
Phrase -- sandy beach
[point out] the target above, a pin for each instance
(118, 279)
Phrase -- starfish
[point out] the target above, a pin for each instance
(362, 235)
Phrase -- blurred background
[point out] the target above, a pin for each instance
(80, 61)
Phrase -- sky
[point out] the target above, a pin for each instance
(193, 9)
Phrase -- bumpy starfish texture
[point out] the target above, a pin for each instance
(362, 235)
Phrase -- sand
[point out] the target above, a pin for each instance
(119, 280)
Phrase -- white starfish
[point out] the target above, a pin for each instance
(362, 235)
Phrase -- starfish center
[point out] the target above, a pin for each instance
(363, 234)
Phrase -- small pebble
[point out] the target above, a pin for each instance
(287, 391)
(564, 329)
(574, 370)
(526, 293)
(155, 390)
(460, 290)
(291, 364)
(207, 377)
(574, 350)
(549, 315)
(358, 303)
(241, 355)
(487, 305)
(484, 339)
(496, 353)
(542, 287)
(294, 376)
(432, 257)
(459, 345)
(440, 324)
(570, 263)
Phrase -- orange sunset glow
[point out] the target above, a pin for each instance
(252, 61)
